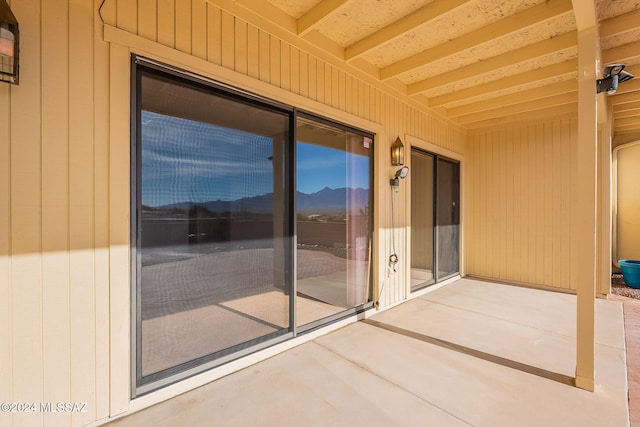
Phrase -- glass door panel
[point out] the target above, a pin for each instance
(422, 221)
(447, 218)
(332, 220)
(211, 239)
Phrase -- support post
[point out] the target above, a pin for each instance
(584, 224)
(603, 286)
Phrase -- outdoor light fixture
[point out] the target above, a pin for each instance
(397, 153)
(400, 174)
(612, 76)
(9, 44)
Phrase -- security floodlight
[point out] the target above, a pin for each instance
(613, 75)
(400, 174)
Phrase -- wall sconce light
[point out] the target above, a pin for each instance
(9, 44)
(397, 152)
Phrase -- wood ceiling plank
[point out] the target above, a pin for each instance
(314, 16)
(620, 24)
(627, 113)
(630, 131)
(567, 110)
(629, 86)
(503, 27)
(627, 121)
(623, 98)
(401, 26)
(266, 10)
(535, 50)
(523, 107)
(621, 54)
(629, 106)
(626, 130)
(511, 81)
(515, 98)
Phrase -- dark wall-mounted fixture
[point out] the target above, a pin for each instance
(9, 45)
(397, 152)
(612, 76)
(400, 174)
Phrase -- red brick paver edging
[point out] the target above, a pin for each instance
(631, 309)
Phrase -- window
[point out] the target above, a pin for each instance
(215, 211)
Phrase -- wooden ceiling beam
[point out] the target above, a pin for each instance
(524, 107)
(415, 19)
(527, 53)
(503, 27)
(619, 24)
(559, 88)
(319, 12)
(506, 82)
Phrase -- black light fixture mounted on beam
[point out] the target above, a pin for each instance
(612, 75)
(9, 45)
(397, 152)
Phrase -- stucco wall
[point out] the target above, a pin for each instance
(627, 206)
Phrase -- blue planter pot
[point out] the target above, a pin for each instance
(630, 272)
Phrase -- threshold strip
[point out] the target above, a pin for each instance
(553, 376)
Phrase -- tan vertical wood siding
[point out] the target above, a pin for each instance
(519, 203)
(53, 215)
(64, 162)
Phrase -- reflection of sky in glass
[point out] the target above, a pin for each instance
(185, 160)
(189, 161)
(320, 167)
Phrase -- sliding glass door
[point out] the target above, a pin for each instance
(435, 218)
(222, 189)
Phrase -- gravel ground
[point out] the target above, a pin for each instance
(618, 287)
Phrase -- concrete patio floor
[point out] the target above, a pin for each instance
(470, 353)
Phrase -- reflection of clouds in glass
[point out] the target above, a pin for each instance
(320, 158)
(319, 167)
(184, 160)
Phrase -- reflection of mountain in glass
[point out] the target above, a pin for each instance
(327, 200)
(245, 219)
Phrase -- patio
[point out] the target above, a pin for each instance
(470, 353)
